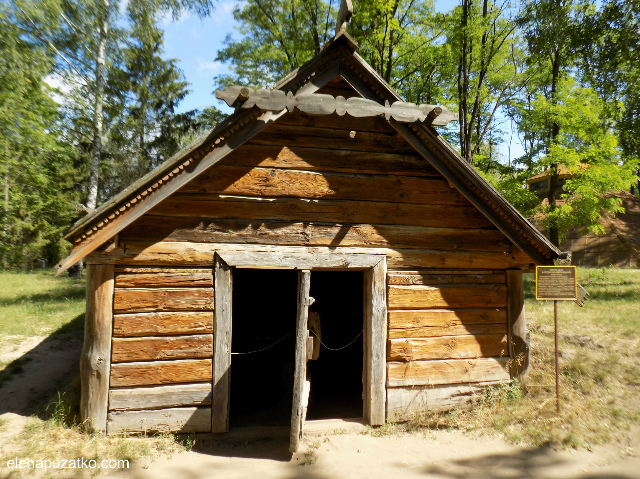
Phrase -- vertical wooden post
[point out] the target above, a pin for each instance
(518, 335)
(297, 413)
(375, 343)
(95, 361)
(221, 346)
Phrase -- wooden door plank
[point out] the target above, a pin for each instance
(221, 347)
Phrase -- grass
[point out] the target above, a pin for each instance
(599, 370)
(36, 304)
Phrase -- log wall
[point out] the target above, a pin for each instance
(314, 184)
(161, 350)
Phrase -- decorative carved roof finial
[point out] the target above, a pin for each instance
(344, 15)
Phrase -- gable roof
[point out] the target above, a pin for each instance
(337, 59)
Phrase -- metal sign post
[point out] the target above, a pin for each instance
(556, 283)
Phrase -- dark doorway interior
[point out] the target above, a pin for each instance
(264, 313)
(336, 376)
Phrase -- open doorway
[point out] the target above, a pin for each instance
(262, 347)
(336, 376)
(263, 326)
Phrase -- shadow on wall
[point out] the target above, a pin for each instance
(30, 384)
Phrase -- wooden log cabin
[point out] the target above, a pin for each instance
(325, 194)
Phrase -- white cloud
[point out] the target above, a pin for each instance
(211, 67)
(62, 85)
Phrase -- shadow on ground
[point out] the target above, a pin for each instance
(31, 383)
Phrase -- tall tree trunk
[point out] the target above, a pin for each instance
(554, 233)
(96, 152)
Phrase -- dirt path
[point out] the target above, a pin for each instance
(440, 454)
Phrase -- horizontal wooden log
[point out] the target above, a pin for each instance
(133, 300)
(156, 397)
(341, 161)
(153, 349)
(218, 230)
(328, 211)
(411, 404)
(201, 254)
(438, 322)
(180, 420)
(463, 296)
(372, 124)
(163, 323)
(248, 181)
(449, 347)
(160, 372)
(331, 138)
(184, 279)
(437, 278)
(446, 371)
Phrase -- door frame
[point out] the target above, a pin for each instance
(374, 267)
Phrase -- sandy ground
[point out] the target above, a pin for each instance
(264, 453)
(439, 454)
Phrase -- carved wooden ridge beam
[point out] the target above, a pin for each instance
(319, 104)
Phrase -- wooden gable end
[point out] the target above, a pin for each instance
(322, 182)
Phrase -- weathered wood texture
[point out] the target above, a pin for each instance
(153, 349)
(448, 347)
(182, 420)
(160, 397)
(138, 300)
(519, 337)
(96, 351)
(129, 278)
(201, 254)
(441, 322)
(162, 323)
(410, 404)
(160, 372)
(446, 371)
(458, 296)
(375, 330)
(222, 347)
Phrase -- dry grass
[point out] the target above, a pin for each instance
(599, 370)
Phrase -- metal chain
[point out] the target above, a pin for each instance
(270, 346)
(338, 349)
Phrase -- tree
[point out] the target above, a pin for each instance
(37, 172)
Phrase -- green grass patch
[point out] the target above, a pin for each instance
(36, 304)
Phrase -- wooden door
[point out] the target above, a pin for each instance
(300, 384)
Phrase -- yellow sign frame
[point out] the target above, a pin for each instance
(575, 284)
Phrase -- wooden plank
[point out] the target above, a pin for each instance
(154, 349)
(519, 336)
(471, 296)
(435, 278)
(286, 260)
(96, 351)
(320, 159)
(201, 254)
(184, 279)
(331, 138)
(162, 323)
(300, 372)
(160, 372)
(449, 347)
(439, 322)
(446, 371)
(160, 397)
(180, 420)
(329, 211)
(223, 230)
(132, 300)
(411, 404)
(221, 347)
(166, 189)
(375, 343)
(344, 122)
(240, 180)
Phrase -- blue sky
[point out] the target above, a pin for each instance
(195, 43)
